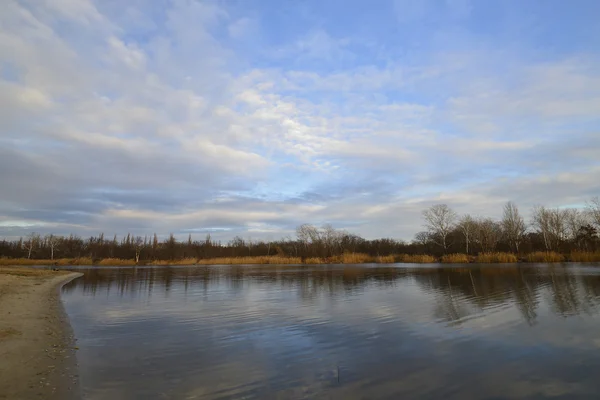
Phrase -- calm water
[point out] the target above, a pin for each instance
(353, 332)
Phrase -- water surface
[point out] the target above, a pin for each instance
(341, 332)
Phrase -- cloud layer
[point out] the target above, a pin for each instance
(249, 118)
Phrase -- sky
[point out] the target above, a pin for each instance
(251, 117)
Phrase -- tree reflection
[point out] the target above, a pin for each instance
(459, 292)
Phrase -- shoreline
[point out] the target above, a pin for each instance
(37, 346)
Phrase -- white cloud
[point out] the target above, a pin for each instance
(106, 120)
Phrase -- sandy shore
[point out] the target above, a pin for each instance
(37, 349)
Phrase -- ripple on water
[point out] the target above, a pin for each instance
(336, 332)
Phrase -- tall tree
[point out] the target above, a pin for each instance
(593, 208)
(30, 244)
(467, 226)
(439, 222)
(487, 234)
(53, 242)
(513, 226)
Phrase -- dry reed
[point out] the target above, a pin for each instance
(498, 257)
(183, 261)
(545, 257)
(116, 262)
(386, 259)
(355, 258)
(251, 260)
(585, 256)
(417, 258)
(455, 258)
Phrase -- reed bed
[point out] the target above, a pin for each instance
(417, 258)
(498, 257)
(386, 259)
(585, 256)
(354, 258)
(116, 262)
(315, 260)
(183, 261)
(544, 257)
(252, 260)
(457, 258)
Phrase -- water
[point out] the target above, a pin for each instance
(341, 332)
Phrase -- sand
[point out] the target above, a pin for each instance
(37, 347)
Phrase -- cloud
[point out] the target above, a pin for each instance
(195, 116)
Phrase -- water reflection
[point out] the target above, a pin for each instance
(460, 291)
(337, 331)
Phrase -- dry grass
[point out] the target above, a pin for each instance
(315, 260)
(58, 261)
(252, 260)
(585, 256)
(496, 258)
(386, 259)
(455, 258)
(354, 258)
(417, 258)
(23, 261)
(25, 271)
(74, 261)
(544, 256)
(183, 261)
(116, 262)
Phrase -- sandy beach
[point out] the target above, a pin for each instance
(37, 348)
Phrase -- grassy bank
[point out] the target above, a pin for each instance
(348, 258)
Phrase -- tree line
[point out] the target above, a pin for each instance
(549, 229)
(560, 230)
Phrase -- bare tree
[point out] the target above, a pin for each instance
(439, 221)
(593, 209)
(53, 242)
(31, 243)
(138, 244)
(467, 226)
(307, 234)
(332, 239)
(540, 220)
(574, 220)
(513, 225)
(551, 224)
(487, 234)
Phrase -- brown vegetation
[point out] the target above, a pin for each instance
(544, 257)
(116, 262)
(252, 260)
(456, 258)
(58, 261)
(497, 257)
(585, 256)
(386, 259)
(416, 259)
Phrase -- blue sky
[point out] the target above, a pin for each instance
(252, 117)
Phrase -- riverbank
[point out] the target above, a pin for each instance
(346, 258)
(37, 350)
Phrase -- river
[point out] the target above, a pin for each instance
(338, 332)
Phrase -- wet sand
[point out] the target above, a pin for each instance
(37, 347)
